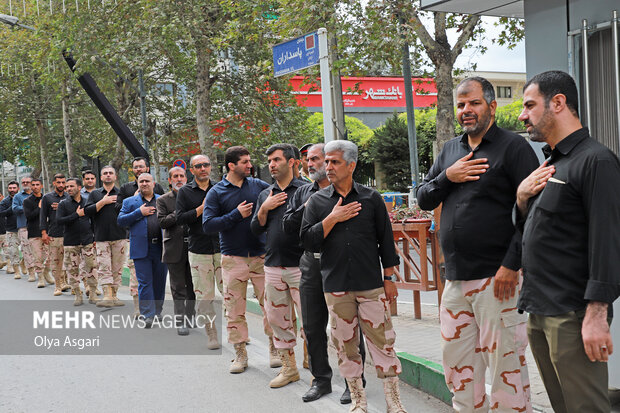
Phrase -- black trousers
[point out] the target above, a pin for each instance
(182, 287)
(315, 317)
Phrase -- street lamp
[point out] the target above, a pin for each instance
(13, 21)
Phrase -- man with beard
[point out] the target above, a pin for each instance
(569, 212)
(139, 166)
(32, 211)
(313, 307)
(138, 214)
(51, 233)
(228, 210)
(282, 272)
(204, 256)
(11, 243)
(89, 180)
(27, 262)
(79, 254)
(475, 177)
(175, 244)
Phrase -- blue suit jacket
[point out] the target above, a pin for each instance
(132, 218)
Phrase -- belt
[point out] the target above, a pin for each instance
(155, 240)
(315, 255)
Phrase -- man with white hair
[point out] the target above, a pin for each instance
(349, 225)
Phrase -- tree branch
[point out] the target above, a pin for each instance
(430, 45)
(466, 34)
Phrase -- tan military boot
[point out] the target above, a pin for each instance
(3, 264)
(288, 373)
(274, 357)
(358, 396)
(58, 282)
(64, 286)
(79, 300)
(108, 297)
(240, 363)
(392, 395)
(10, 268)
(212, 342)
(117, 302)
(48, 276)
(22, 265)
(41, 282)
(136, 307)
(17, 275)
(92, 290)
(31, 275)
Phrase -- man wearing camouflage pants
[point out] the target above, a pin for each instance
(51, 232)
(40, 250)
(11, 241)
(111, 241)
(79, 251)
(27, 261)
(349, 225)
(282, 272)
(228, 210)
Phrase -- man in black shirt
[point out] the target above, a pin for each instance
(32, 209)
(139, 166)
(11, 243)
(79, 251)
(571, 208)
(349, 225)
(204, 256)
(282, 272)
(110, 238)
(175, 252)
(89, 179)
(476, 176)
(138, 214)
(51, 233)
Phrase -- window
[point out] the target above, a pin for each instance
(504, 92)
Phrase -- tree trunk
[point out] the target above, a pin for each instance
(203, 101)
(43, 134)
(66, 128)
(445, 104)
(123, 103)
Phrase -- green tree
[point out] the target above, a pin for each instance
(507, 117)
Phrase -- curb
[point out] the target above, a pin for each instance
(420, 373)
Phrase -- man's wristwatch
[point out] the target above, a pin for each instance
(389, 278)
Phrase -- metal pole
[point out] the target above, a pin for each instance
(586, 71)
(341, 128)
(326, 88)
(411, 132)
(614, 31)
(2, 162)
(143, 109)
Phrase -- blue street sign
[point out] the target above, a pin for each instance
(180, 163)
(296, 54)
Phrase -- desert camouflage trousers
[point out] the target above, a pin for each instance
(22, 235)
(206, 275)
(370, 310)
(80, 262)
(11, 248)
(281, 302)
(56, 257)
(133, 280)
(236, 272)
(111, 257)
(40, 254)
(478, 332)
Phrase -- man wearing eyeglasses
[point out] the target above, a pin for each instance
(204, 249)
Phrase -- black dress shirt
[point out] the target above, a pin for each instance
(48, 214)
(350, 253)
(189, 198)
(477, 235)
(104, 221)
(129, 189)
(6, 211)
(32, 212)
(283, 250)
(153, 230)
(291, 221)
(570, 236)
(77, 230)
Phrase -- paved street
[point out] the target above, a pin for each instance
(166, 383)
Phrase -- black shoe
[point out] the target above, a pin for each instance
(148, 322)
(346, 397)
(316, 392)
(183, 331)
